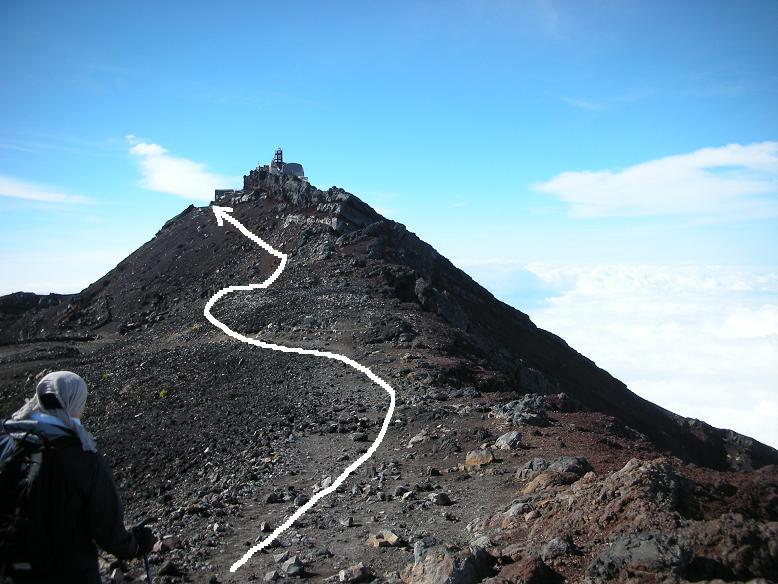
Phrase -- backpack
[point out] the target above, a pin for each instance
(22, 449)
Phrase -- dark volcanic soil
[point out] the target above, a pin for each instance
(214, 437)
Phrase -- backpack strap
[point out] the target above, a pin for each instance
(27, 433)
(24, 431)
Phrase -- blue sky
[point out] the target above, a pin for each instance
(609, 167)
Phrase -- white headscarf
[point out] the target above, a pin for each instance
(71, 391)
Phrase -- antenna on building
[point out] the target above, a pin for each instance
(278, 159)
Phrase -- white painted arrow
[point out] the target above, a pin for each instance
(223, 214)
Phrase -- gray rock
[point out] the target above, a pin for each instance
(447, 565)
(557, 547)
(639, 553)
(481, 541)
(293, 567)
(419, 438)
(518, 508)
(274, 498)
(441, 499)
(528, 410)
(356, 573)
(508, 441)
(574, 465)
(282, 557)
(400, 490)
(359, 437)
(531, 467)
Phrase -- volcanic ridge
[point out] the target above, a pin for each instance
(511, 457)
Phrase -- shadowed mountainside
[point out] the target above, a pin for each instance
(165, 283)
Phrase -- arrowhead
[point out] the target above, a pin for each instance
(221, 214)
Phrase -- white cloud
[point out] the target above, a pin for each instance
(749, 323)
(701, 341)
(601, 104)
(22, 189)
(176, 176)
(148, 150)
(731, 181)
(585, 104)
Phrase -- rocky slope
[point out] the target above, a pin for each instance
(511, 456)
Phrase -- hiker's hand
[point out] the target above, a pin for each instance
(145, 538)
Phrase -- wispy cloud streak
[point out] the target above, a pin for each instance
(174, 175)
(21, 189)
(733, 181)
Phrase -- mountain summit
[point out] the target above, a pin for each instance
(555, 467)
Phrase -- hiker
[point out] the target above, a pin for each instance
(72, 503)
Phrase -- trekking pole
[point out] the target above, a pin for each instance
(148, 569)
(146, 563)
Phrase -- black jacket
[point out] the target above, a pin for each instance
(73, 505)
